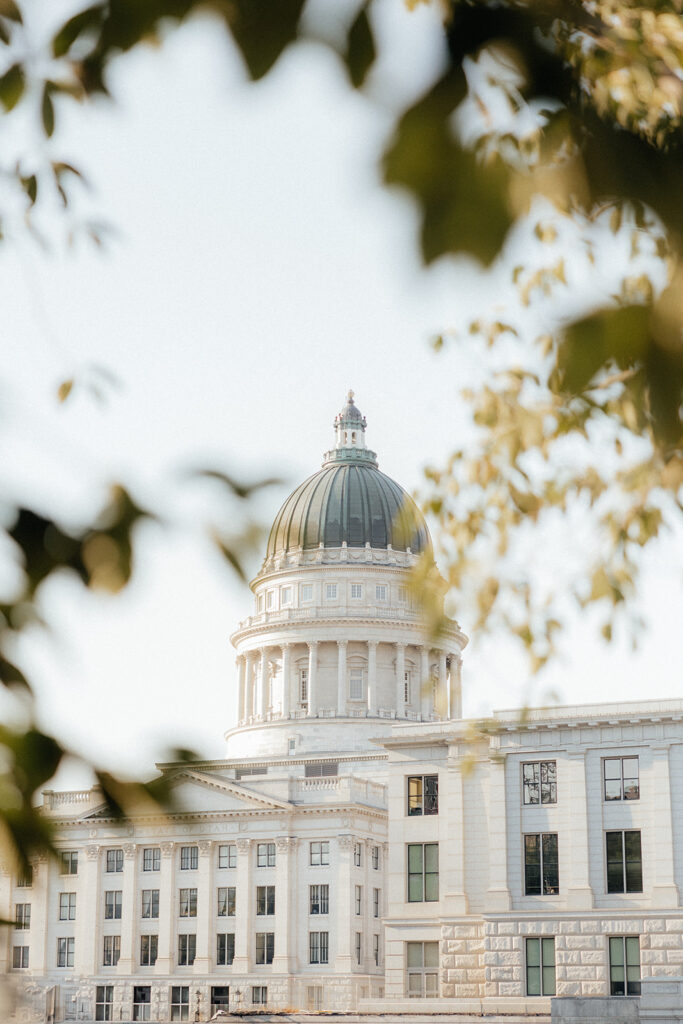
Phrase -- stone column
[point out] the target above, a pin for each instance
(7, 912)
(285, 958)
(441, 702)
(244, 909)
(664, 890)
(252, 706)
(262, 707)
(241, 688)
(312, 679)
(576, 866)
(39, 914)
(167, 905)
(341, 677)
(452, 806)
(89, 911)
(286, 681)
(498, 894)
(400, 678)
(372, 677)
(454, 687)
(206, 909)
(128, 916)
(425, 702)
(343, 895)
(369, 875)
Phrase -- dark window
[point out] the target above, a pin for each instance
(225, 949)
(142, 1000)
(319, 899)
(111, 951)
(624, 862)
(624, 965)
(188, 903)
(189, 858)
(265, 947)
(114, 860)
(150, 902)
(423, 794)
(148, 950)
(324, 768)
(540, 967)
(104, 997)
(541, 868)
(265, 899)
(151, 859)
(621, 778)
(187, 949)
(227, 901)
(539, 780)
(112, 905)
(180, 1002)
(423, 872)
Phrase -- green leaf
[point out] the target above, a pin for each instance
(74, 27)
(12, 85)
(10, 9)
(47, 110)
(65, 389)
(30, 187)
(236, 487)
(360, 48)
(11, 676)
(262, 29)
(615, 335)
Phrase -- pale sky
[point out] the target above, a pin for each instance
(256, 272)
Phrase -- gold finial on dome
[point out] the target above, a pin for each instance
(349, 397)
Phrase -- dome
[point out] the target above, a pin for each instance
(349, 501)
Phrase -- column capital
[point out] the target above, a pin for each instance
(92, 852)
(342, 643)
(312, 644)
(167, 849)
(285, 844)
(346, 841)
(129, 850)
(372, 643)
(243, 845)
(286, 644)
(205, 847)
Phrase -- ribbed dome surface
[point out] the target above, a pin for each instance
(350, 502)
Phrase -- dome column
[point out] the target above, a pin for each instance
(372, 677)
(455, 687)
(286, 672)
(262, 705)
(442, 701)
(312, 679)
(250, 691)
(241, 687)
(341, 677)
(400, 679)
(425, 684)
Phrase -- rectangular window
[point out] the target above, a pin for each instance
(188, 903)
(375, 858)
(356, 688)
(148, 950)
(359, 947)
(67, 906)
(318, 947)
(319, 899)
(621, 778)
(227, 856)
(422, 968)
(65, 952)
(624, 965)
(356, 591)
(22, 915)
(180, 1002)
(259, 995)
(189, 858)
(375, 902)
(319, 853)
(225, 949)
(306, 591)
(270, 600)
(331, 591)
(314, 998)
(19, 957)
(423, 794)
(265, 947)
(406, 687)
(286, 595)
(114, 861)
(150, 902)
(112, 905)
(25, 881)
(541, 866)
(187, 949)
(104, 998)
(375, 949)
(380, 592)
(112, 950)
(402, 595)
(142, 1002)
(321, 769)
(423, 872)
(265, 855)
(539, 780)
(265, 900)
(540, 967)
(151, 859)
(357, 854)
(624, 862)
(359, 900)
(227, 901)
(68, 862)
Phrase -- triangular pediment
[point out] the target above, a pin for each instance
(197, 790)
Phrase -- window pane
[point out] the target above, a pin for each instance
(414, 985)
(613, 768)
(548, 981)
(612, 789)
(551, 879)
(633, 950)
(415, 888)
(431, 857)
(414, 954)
(415, 858)
(548, 952)
(533, 981)
(431, 888)
(533, 952)
(431, 985)
(431, 954)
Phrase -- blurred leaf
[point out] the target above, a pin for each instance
(47, 110)
(10, 9)
(30, 187)
(262, 30)
(11, 676)
(231, 556)
(12, 85)
(618, 335)
(91, 17)
(360, 52)
(65, 389)
(236, 487)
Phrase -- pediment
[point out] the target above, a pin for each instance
(204, 791)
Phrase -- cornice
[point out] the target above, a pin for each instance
(212, 817)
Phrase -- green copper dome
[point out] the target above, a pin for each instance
(349, 501)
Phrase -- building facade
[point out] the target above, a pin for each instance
(361, 847)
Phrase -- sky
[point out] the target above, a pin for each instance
(254, 272)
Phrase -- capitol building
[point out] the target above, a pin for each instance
(362, 848)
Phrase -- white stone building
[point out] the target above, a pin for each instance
(361, 847)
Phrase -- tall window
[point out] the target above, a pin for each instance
(189, 858)
(265, 855)
(423, 872)
(68, 862)
(65, 952)
(359, 947)
(227, 856)
(402, 594)
(375, 858)
(319, 899)
(318, 947)
(112, 904)
(22, 915)
(356, 688)
(150, 902)
(180, 1002)
(225, 949)
(148, 950)
(19, 957)
(540, 782)
(151, 859)
(306, 591)
(540, 967)
(406, 687)
(359, 900)
(422, 964)
(25, 881)
(265, 947)
(375, 902)
(381, 592)
(314, 998)
(187, 950)
(541, 867)
(226, 901)
(67, 906)
(114, 861)
(375, 949)
(111, 950)
(188, 903)
(259, 995)
(142, 1002)
(356, 591)
(104, 998)
(286, 595)
(624, 965)
(624, 862)
(331, 591)
(621, 778)
(265, 900)
(319, 853)
(357, 854)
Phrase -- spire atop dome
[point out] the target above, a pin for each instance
(349, 429)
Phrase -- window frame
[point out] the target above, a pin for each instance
(548, 786)
(148, 955)
(357, 688)
(331, 591)
(375, 948)
(67, 907)
(545, 840)
(20, 958)
(265, 900)
(104, 1002)
(319, 853)
(375, 902)
(142, 1002)
(358, 587)
(627, 943)
(420, 803)
(625, 861)
(227, 856)
(317, 900)
(189, 858)
(259, 995)
(319, 947)
(65, 950)
(224, 958)
(426, 876)
(187, 902)
(113, 861)
(265, 855)
(423, 971)
(357, 855)
(187, 955)
(151, 858)
(542, 943)
(111, 950)
(381, 592)
(151, 897)
(179, 1003)
(22, 916)
(68, 862)
(113, 904)
(622, 779)
(265, 948)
